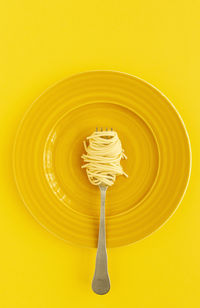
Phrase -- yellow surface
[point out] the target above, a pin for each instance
(49, 145)
(44, 41)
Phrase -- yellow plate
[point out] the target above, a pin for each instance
(49, 145)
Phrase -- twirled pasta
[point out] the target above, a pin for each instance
(102, 159)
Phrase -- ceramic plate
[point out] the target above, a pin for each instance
(49, 144)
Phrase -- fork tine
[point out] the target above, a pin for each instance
(101, 129)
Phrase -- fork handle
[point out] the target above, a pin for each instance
(101, 281)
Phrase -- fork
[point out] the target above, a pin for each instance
(101, 280)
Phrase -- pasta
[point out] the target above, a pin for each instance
(102, 159)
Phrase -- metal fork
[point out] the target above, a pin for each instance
(101, 281)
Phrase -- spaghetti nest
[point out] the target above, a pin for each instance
(102, 159)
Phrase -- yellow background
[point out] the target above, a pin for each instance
(45, 41)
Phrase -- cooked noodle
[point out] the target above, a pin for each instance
(102, 159)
